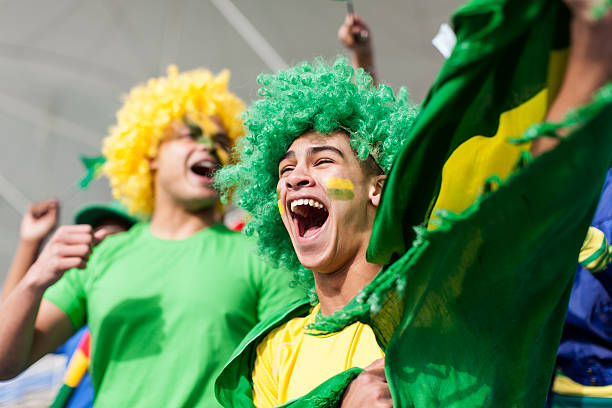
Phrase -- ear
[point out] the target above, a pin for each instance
(375, 190)
(153, 163)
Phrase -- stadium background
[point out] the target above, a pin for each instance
(65, 64)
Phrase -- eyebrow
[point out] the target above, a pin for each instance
(289, 154)
(313, 150)
(318, 149)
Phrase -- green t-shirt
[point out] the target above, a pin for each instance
(165, 315)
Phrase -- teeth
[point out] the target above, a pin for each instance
(310, 202)
(207, 164)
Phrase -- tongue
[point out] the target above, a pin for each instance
(310, 220)
(311, 231)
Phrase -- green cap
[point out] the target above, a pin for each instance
(92, 214)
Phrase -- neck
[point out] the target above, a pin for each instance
(335, 290)
(175, 222)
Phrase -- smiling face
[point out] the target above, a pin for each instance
(185, 165)
(327, 200)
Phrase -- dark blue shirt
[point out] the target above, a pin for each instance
(585, 353)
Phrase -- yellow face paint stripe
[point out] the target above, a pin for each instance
(339, 183)
(281, 209)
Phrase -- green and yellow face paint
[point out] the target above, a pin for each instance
(339, 188)
(209, 140)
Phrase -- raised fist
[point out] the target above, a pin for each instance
(39, 220)
(69, 247)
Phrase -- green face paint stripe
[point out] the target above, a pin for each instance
(340, 194)
(206, 141)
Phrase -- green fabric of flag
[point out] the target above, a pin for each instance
(501, 61)
(93, 170)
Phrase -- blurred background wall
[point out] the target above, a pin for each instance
(64, 65)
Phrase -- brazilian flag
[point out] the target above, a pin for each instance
(480, 240)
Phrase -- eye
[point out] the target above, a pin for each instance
(194, 131)
(285, 170)
(323, 161)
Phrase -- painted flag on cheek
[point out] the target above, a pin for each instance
(480, 240)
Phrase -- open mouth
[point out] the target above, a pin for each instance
(309, 215)
(205, 168)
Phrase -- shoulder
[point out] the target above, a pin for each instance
(286, 322)
(115, 245)
(239, 250)
(222, 233)
(122, 238)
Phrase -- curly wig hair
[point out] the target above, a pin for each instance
(309, 96)
(142, 121)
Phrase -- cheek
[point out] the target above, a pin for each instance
(339, 188)
(171, 162)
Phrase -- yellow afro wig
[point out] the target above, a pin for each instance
(142, 121)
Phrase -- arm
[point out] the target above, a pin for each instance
(589, 65)
(355, 35)
(36, 225)
(30, 328)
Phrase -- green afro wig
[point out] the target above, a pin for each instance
(309, 96)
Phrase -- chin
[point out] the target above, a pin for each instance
(201, 203)
(318, 258)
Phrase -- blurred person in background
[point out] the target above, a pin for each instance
(173, 295)
(77, 390)
(584, 360)
(36, 225)
(355, 35)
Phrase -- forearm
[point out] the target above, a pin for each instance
(25, 255)
(585, 74)
(364, 59)
(17, 324)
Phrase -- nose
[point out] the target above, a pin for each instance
(299, 179)
(204, 143)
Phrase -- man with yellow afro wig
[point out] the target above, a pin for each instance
(169, 300)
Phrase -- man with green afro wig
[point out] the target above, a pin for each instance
(325, 100)
(319, 145)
